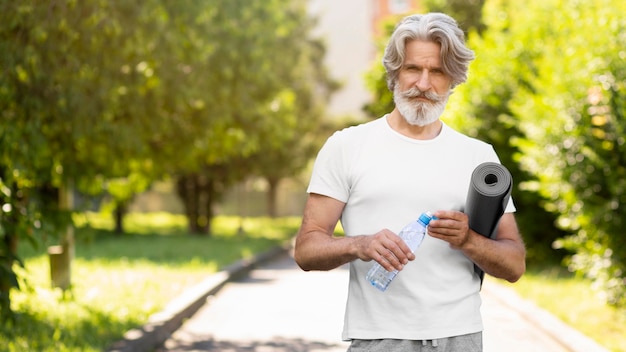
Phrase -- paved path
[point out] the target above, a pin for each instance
(278, 307)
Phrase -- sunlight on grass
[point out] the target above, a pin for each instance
(257, 227)
(108, 297)
(138, 223)
(118, 281)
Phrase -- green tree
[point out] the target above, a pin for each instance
(468, 13)
(112, 95)
(504, 65)
(572, 116)
(297, 113)
(261, 82)
(549, 81)
(76, 95)
(375, 79)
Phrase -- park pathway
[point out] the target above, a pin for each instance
(279, 308)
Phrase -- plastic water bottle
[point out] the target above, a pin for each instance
(412, 234)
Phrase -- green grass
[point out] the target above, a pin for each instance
(573, 300)
(119, 281)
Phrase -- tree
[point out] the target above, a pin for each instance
(572, 116)
(559, 105)
(71, 114)
(376, 80)
(481, 107)
(112, 95)
(468, 13)
(258, 106)
(297, 112)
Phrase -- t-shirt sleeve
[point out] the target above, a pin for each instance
(329, 177)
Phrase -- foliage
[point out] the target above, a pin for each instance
(382, 101)
(568, 103)
(260, 108)
(467, 13)
(481, 108)
(107, 96)
(296, 113)
(71, 115)
(157, 259)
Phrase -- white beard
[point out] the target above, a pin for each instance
(419, 113)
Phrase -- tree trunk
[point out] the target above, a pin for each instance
(204, 186)
(185, 190)
(66, 255)
(120, 211)
(60, 273)
(272, 195)
(8, 278)
(211, 198)
(192, 191)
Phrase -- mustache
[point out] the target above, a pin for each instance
(416, 93)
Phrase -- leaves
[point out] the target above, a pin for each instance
(567, 102)
(111, 95)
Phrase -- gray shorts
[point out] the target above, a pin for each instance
(463, 343)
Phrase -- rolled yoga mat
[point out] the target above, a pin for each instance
(487, 198)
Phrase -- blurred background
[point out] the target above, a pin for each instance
(209, 108)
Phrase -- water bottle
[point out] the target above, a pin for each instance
(412, 234)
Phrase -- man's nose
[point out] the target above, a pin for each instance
(423, 82)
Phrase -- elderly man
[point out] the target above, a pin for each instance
(379, 176)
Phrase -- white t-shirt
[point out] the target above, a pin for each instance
(387, 180)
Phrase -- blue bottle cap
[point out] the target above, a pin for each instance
(426, 217)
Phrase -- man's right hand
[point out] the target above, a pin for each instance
(386, 248)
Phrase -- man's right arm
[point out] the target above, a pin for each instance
(317, 248)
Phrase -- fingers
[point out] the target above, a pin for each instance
(451, 226)
(389, 250)
(450, 215)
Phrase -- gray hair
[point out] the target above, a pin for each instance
(435, 27)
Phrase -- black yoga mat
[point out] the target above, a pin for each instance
(488, 196)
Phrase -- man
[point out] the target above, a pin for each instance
(381, 175)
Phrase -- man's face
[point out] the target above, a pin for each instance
(422, 88)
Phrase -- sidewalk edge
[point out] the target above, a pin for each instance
(162, 324)
(570, 338)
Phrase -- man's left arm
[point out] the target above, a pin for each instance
(503, 257)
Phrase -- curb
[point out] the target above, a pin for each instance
(162, 324)
(570, 338)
